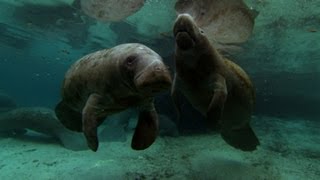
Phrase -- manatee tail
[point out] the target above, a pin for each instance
(244, 138)
(70, 118)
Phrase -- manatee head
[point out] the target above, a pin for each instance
(144, 70)
(187, 34)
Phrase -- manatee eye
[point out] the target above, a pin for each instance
(201, 31)
(131, 60)
(129, 66)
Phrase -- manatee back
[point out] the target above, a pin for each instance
(91, 73)
(91, 67)
(242, 80)
(241, 97)
(236, 129)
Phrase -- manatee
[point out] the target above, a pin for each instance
(41, 120)
(215, 86)
(110, 10)
(110, 81)
(224, 21)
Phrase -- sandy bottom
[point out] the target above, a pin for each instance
(289, 150)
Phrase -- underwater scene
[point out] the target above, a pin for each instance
(160, 89)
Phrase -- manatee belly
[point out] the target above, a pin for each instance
(199, 97)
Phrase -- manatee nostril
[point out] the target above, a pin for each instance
(157, 68)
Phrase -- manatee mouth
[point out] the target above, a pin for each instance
(184, 40)
(184, 32)
(153, 79)
(155, 86)
(158, 87)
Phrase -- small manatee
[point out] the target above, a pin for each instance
(41, 120)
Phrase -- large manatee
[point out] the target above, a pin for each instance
(109, 81)
(218, 88)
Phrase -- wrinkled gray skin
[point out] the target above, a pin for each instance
(218, 88)
(109, 81)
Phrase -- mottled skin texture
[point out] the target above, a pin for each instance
(215, 86)
(110, 81)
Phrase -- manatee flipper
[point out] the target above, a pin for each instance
(70, 118)
(216, 105)
(176, 101)
(146, 130)
(92, 117)
(243, 138)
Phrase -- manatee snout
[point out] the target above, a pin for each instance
(183, 23)
(185, 31)
(154, 78)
